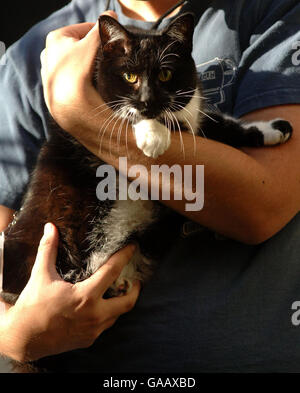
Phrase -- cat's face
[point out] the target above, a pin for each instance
(145, 74)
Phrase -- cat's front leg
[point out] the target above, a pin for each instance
(237, 133)
(274, 132)
(152, 137)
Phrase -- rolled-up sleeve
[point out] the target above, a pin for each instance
(269, 70)
(24, 119)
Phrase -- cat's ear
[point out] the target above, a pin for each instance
(181, 29)
(111, 32)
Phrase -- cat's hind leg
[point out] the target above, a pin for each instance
(125, 219)
(138, 268)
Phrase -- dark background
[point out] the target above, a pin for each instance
(16, 18)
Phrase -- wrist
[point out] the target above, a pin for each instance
(12, 343)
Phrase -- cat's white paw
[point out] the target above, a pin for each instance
(152, 137)
(275, 131)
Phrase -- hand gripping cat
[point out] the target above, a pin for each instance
(148, 78)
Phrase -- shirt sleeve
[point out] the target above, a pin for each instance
(21, 134)
(269, 70)
(24, 119)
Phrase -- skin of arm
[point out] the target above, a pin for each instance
(250, 194)
(6, 216)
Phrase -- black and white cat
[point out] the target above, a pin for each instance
(149, 79)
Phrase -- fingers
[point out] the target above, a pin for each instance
(47, 253)
(120, 305)
(76, 32)
(114, 307)
(99, 282)
(90, 45)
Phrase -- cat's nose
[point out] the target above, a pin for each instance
(146, 107)
(145, 93)
(146, 104)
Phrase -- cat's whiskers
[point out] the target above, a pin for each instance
(105, 103)
(126, 116)
(180, 91)
(205, 114)
(193, 133)
(107, 122)
(199, 110)
(164, 62)
(177, 106)
(124, 113)
(169, 116)
(108, 105)
(121, 114)
(100, 106)
(192, 96)
(167, 122)
(172, 118)
(125, 99)
(180, 107)
(126, 137)
(189, 93)
(180, 135)
(120, 130)
(203, 132)
(160, 57)
(106, 109)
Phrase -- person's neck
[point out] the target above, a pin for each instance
(147, 10)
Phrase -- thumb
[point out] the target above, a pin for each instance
(47, 253)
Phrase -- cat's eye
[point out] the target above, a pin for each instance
(130, 77)
(165, 75)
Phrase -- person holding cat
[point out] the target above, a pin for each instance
(229, 302)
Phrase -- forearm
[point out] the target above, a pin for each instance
(6, 216)
(239, 191)
(249, 195)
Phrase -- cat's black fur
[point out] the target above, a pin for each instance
(63, 185)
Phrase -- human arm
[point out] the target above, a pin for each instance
(243, 189)
(6, 216)
(53, 316)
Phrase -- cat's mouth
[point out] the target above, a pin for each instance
(149, 111)
(164, 115)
